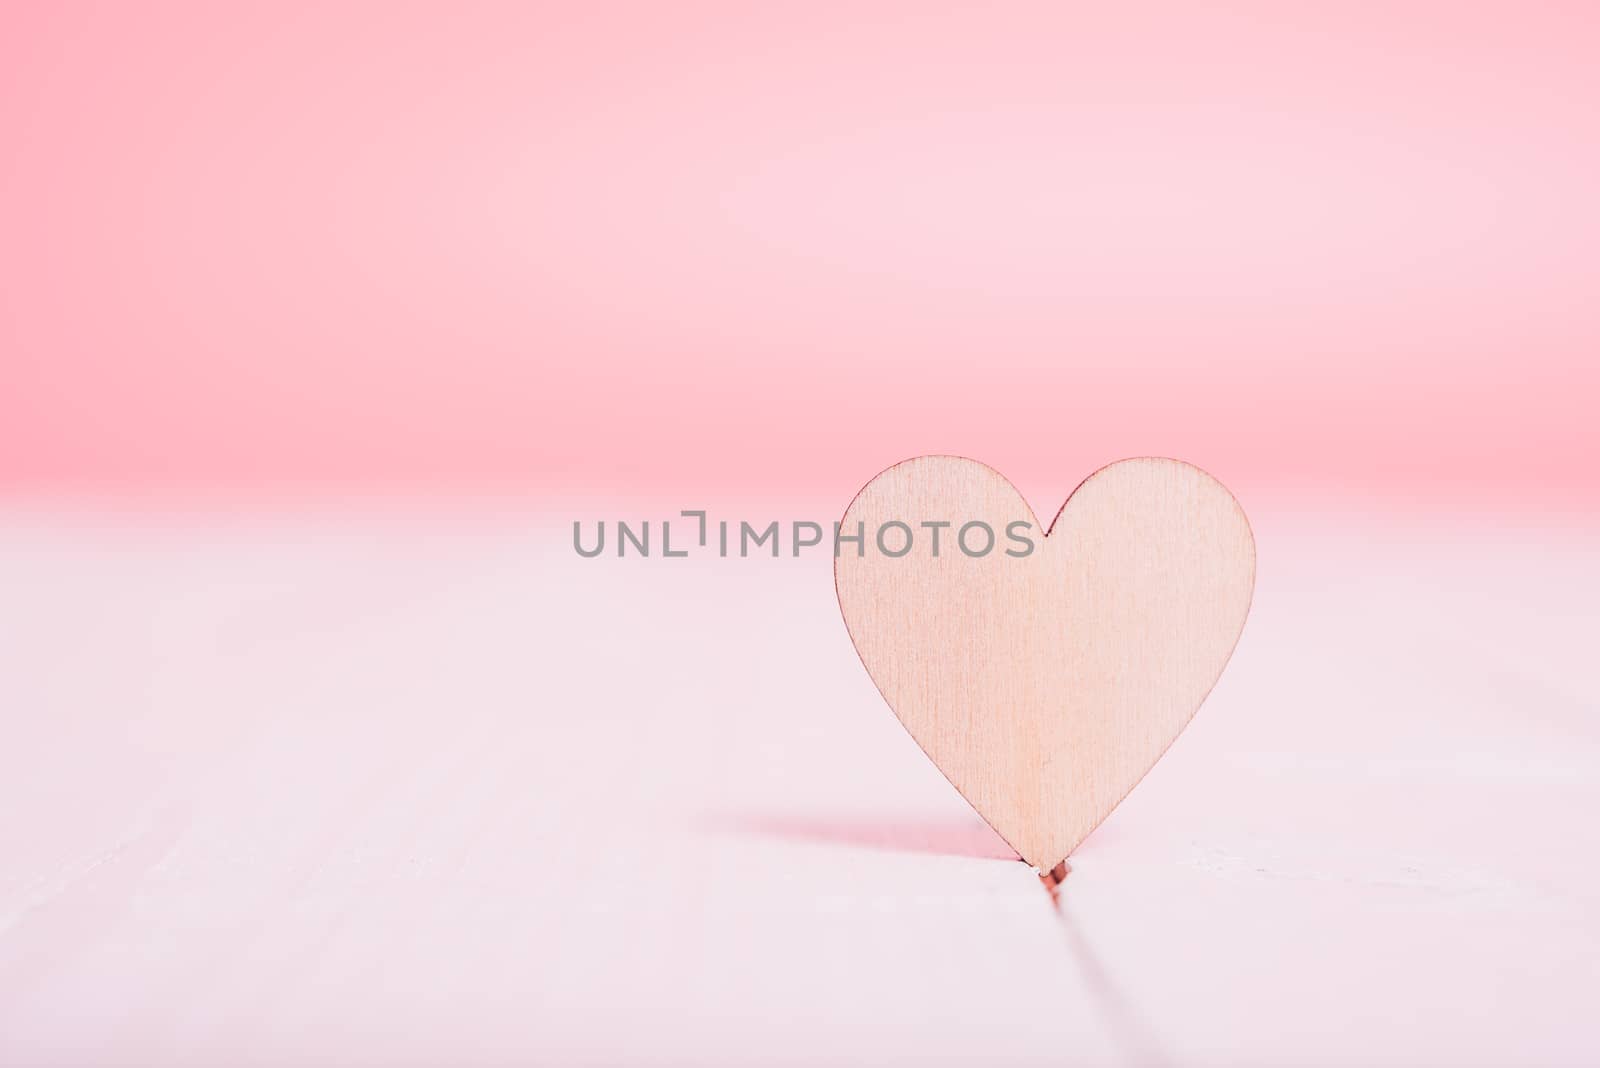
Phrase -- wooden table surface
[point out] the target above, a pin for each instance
(401, 788)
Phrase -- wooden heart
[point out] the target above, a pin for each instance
(1045, 683)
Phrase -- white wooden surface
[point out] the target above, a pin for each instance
(402, 791)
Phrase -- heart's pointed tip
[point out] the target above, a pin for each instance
(1052, 880)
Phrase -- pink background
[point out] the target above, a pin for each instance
(287, 779)
(688, 248)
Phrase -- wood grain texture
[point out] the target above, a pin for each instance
(1046, 685)
(318, 790)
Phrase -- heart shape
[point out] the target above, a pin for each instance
(1044, 684)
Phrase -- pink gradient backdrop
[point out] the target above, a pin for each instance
(666, 246)
(421, 788)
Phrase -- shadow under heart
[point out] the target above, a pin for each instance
(938, 837)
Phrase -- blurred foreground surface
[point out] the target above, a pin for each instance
(401, 790)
